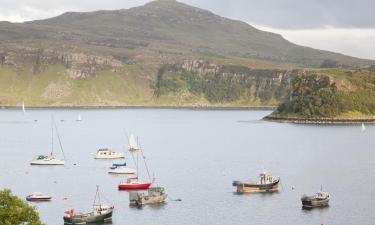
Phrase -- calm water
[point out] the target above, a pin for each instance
(195, 155)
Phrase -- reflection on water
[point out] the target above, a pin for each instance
(195, 155)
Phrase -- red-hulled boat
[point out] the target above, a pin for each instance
(133, 184)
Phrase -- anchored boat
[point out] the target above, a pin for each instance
(100, 213)
(38, 197)
(319, 199)
(121, 169)
(154, 195)
(108, 154)
(50, 159)
(266, 183)
(134, 183)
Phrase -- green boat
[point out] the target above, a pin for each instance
(100, 213)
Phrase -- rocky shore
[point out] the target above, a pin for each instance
(320, 120)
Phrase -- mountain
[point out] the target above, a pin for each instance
(111, 57)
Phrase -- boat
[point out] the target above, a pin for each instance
(133, 183)
(154, 195)
(363, 127)
(38, 197)
(121, 169)
(106, 153)
(79, 118)
(50, 159)
(319, 199)
(23, 108)
(266, 183)
(100, 213)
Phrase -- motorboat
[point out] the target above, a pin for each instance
(38, 197)
(266, 183)
(108, 154)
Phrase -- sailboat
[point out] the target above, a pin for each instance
(79, 118)
(23, 108)
(50, 159)
(363, 127)
(100, 213)
(133, 183)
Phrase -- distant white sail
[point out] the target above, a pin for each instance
(23, 107)
(79, 118)
(363, 127)
(133, 144)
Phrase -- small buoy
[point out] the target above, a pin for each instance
(55, 182)
(293, 188)
(65, 198)
(74, 164)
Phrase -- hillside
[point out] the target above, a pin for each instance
(113, 58)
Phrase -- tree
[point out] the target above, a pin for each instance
(14, 211)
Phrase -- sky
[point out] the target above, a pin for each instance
(345, 26)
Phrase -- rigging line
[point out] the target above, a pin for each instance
(59, 138)
(52, 134)
(144, 160)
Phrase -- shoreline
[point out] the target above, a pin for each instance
(148, 107)
(318, 120)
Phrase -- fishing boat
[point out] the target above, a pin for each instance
(38, 197)
(100, 213)
(266, 183)
(79, 118)
(319, 199)
(106, 153)
(133, 183)
(50, 159)
(121, 169)
(154, 195)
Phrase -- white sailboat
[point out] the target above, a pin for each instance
(79, 118)
(363, 127)
(50, 159)
(133, 143)
(23, 108)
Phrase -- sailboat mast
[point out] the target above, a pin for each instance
(51, 135)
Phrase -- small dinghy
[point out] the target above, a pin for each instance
(266, 183)
(320, 199)
(38, 197)
(108, 154)
(120, 169)
(100, 213)
(154, 195)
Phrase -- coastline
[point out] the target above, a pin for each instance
(146, 107)
(320, 120)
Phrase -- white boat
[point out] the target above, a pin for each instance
(133, 143)
(363, 127)
(23, 108)
(109, 154)
(121, 169)
(79, 118)
(38, 197)
(47, 160)
(50, 160)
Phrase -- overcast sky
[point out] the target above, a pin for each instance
(346, 26)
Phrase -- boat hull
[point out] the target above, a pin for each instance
(122, 171)
(38, 199)
(55, 162)
(116, 156)
(309, 204)
(257, 188)
(88, 218)
(140, 186)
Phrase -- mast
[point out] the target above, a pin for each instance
(52, 135)
(97, 195)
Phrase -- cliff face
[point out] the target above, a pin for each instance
(77, 64)
(223, 84)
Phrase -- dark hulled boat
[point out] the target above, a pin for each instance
(100, 213)
(320, 199)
